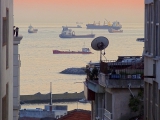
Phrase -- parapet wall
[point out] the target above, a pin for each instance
(36, 114)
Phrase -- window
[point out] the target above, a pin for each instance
(5, 104)
(4, 31)
(5, 38)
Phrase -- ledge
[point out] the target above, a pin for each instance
(116, 83)
(148, 55)
(156, 58)
(17, 39)
(94, 86)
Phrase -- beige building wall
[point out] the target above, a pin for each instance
(6, 60)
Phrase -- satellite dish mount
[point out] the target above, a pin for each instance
(99, 44)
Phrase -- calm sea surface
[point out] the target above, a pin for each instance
(39, 66)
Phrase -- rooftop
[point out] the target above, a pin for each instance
(77, 114)
(117, 73)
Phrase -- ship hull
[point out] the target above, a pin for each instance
(72, 26)
(77, 36)
(115, 31)
(92, 26)
(70, 52)
(32, 30)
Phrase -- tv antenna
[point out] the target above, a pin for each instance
(99, 44)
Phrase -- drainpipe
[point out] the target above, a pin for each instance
(0, 58)
(129, 86)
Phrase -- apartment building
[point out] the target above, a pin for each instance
(16, 77)
(111, 91)
(152, 60)
(6, 60)
(8, 93)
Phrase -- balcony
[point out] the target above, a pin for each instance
(17, 39)
(94, 86)
(90, 88)
(115, 74)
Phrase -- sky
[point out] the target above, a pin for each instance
(68, 11)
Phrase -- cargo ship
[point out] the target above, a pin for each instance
(115, 25)
(68, 33)
(78, 26)
(32, 30)
(84, 51)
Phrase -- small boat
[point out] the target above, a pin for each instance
(84, 51)
(114, 31)
(32, 30)
(83, 101)
(68, 33)
(78, 26)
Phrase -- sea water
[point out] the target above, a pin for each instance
(39, 66)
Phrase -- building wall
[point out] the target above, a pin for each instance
(36, 114)
(42, 114)
(99, 106)
(16, 78)
(120, 100)
(152, 61)
(6, 74)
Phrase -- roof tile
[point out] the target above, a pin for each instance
(77, 114)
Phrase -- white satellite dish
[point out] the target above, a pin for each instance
(99, 43)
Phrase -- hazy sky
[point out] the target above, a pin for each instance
(87, 11)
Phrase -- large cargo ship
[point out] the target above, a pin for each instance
(84, 51)
(68, 33)
(115, 25)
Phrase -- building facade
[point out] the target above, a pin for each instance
(16, 77)
(6, 59)
(152, 60)
(9, 67)
(111, 92)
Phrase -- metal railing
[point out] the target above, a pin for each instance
(107, 115)
(123, 70)
(113, 69)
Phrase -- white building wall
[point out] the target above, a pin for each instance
(16, 78)
(6, 75)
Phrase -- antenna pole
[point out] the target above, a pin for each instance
(100, 55)
(50, 93)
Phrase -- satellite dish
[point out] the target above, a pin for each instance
(99, 43)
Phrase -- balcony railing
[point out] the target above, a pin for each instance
(107, 115)
(103, 114)
(119, 73)
(115, 74)
(123, 70)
